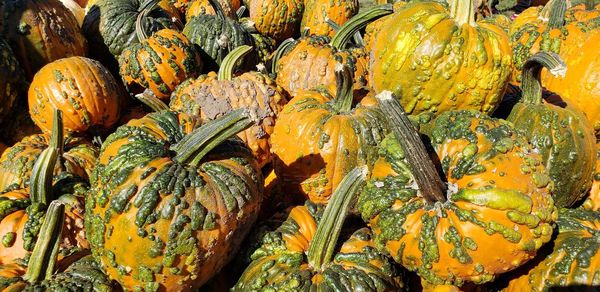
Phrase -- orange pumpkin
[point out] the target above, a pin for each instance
(277, 19)
(316, 12)
(197, 7)
(83, 89)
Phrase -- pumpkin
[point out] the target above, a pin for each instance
(36, 38)
(23, 209)
(301, 254)
(436, 59)
(316, 12)
(77, 10)
(198, 7)
(574, 260)
(310, 61)
(497, 194)
(110, 26)
(592, 202)
(184, 199)
(335, 137)
(278, 19)
(372, 29)
(263, 45)
(11, 80)
(82, 88)
(216, 36)
(563, 136)
(208, 98)
(159, 63)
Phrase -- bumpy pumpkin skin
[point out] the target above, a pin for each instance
(185, 222)
(197, 7)
(160, 63)
(12, 224)
(40, 31)
(316, 12)
(12, 80)
(331, 143)
(433, 64)
(16, 163)
(208, 98)
(280, 265)
(278, 19)
(574, 259)
(83, 89)
(593, 200)
(498, 196)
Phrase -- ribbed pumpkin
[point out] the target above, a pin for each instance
(593, 200)
(159, 63)
(316, 13)
(302, 254)
(83, 89)
(278, 19)
(211, 96)
(436, 59)
(563, 136)
(318, 139)
(110, 26)
(372, 29)
(23, 209)
(39, 32)
(493, 216)
(310, 62)
(574, 260)
(185, 200)
(12, 80)
(216, 36)
(198, 7)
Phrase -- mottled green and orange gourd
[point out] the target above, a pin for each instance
(302, 254)
(310, 61)
(436, 59)
(562, 136)
(336, 136)
(278, 19)
(184, 199)
(213, 95)
(592, 202)
(497, 195)
(316, 13)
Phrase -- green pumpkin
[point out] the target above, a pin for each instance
(563, 136)
(299, 255)
(216, 36)
(12, 83)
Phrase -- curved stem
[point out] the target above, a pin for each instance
(344, 94)
(326, 236)
(590, 5)
(229, 62)
(193, 147)
(358, 40)
(140, 21)
(240, 12)
(43, 258)
(556, 17)
(41, 175)
(149, 99)
(218, 9)
(531, 84)
(463, 11)
(280, 52)
(359, 21)
(428, 180)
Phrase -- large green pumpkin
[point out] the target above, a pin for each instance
(12, 83)
(183, 202)
(563, 136)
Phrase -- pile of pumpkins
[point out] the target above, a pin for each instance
(299, 145)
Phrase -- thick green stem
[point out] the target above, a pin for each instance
(43, 258)
(326, 236)
(280, 52)
(218, 9)
(358, 40)
(462, 11)
(231, 60)
(193, 147)
(149, 99)
(426, 176)
(359, 21)
(554, 13)
(531, 84)
(590, 5)
(240, 12)
(41, 175)
(344, 92)
(140, 21)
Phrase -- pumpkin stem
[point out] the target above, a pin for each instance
(590, 5)
(149, 99)
(218, 9)
(531, 84)
(326, 236)
(43, 257)
(344, 94)
(43, 169)
(193, 147)
(229, 62)
(140, 21)
(554, 13)
(428, 180)
(359, 21)
(358, 39)
(463, 11)
(240, 12)
(283, 48)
